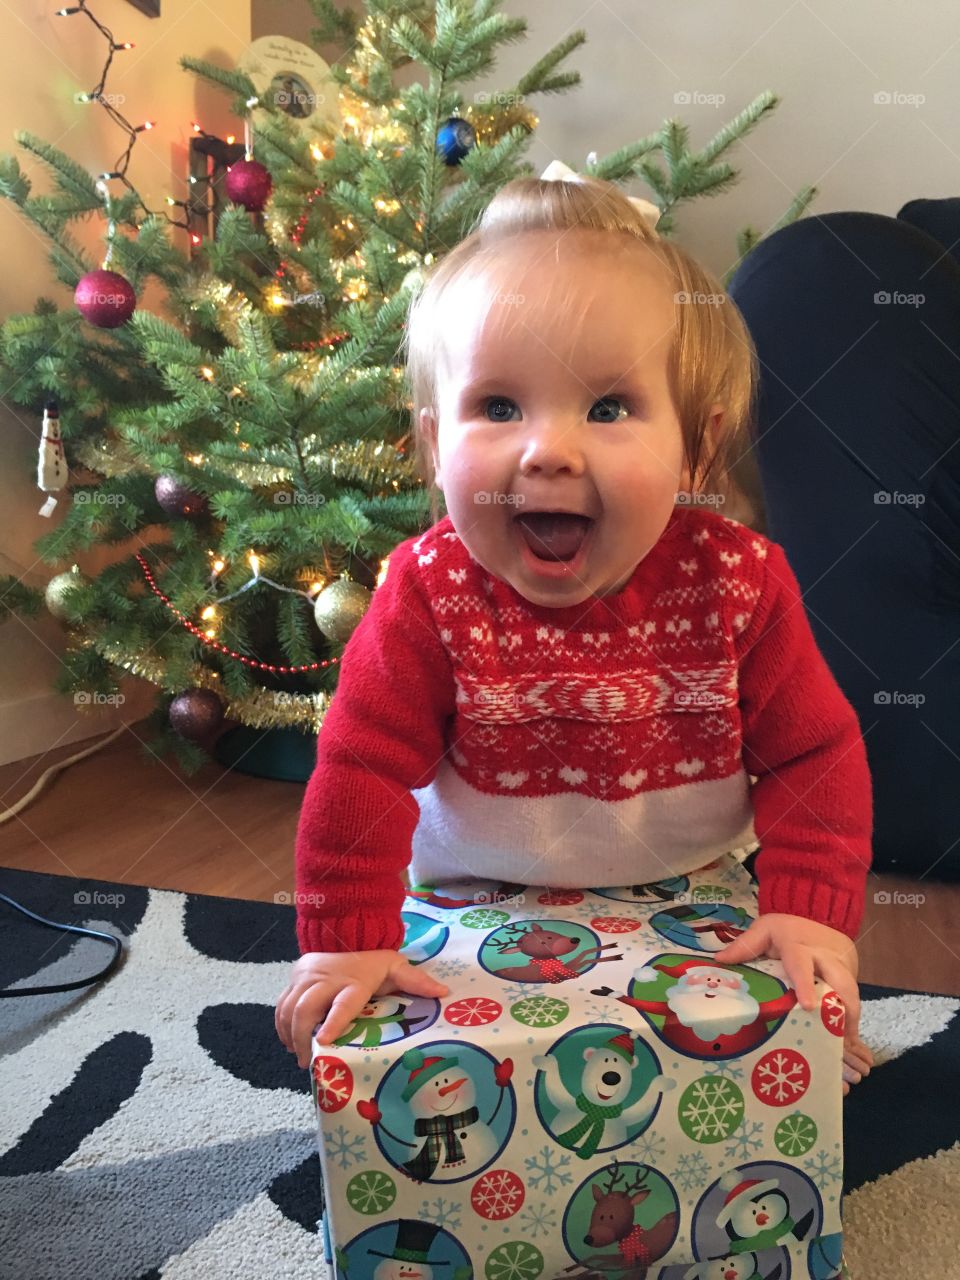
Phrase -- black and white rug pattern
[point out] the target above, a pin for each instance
(153, 1126)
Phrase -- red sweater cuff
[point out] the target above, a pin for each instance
(841, 909)
(355, 933)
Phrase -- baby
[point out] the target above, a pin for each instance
(573, 678)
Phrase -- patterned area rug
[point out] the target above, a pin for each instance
(153, 1126)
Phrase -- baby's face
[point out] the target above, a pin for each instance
(554, 397)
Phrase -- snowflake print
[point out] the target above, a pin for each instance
(546, 1171)
(474, 1011)
(616, 924)
(484, 918)
(539, 1219)
(515, 1260)
(334, 1083)
(649, 1148)
(745, 1141)
(449, 968)
(445, 1213)
(540, 1011)
(824, 1169)
(727, 1068)
(795, 1134)
(781, 1077)
(833, 1013)
(371, 1191)
(691, 1172)
(340, 1146)
(515, 990)
(710, 1109)
(497, 1195)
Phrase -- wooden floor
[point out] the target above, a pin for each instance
(122, 817)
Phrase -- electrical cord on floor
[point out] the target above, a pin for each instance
(67, 928)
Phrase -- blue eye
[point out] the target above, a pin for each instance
(498, 400)
(494, 406)
(618, 411)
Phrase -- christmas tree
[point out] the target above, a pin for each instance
(253, 445)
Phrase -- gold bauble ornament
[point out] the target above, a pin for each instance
(57, 588)
(339, 608)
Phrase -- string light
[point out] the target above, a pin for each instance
(97, 94)
(210, 643)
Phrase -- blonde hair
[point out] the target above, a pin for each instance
(712, 360)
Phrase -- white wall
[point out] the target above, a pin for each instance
(44, 62)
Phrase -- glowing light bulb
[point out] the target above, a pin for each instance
(208, 613)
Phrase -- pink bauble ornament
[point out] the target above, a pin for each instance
(196, 713)
(178, 499)
(249, 183)
(105, 298)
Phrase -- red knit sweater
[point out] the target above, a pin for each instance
(474, 735)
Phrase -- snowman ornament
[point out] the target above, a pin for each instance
(51, 464)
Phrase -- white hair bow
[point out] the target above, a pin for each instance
(557, 171)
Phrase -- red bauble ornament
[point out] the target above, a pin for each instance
(105, 298)
(177, 499)
(196, 713)
(249, 183)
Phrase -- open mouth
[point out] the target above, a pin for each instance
(553, 535)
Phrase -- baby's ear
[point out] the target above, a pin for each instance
(428, 431)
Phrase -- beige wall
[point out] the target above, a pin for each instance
(44, 62)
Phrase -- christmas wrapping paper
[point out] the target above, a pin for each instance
(596, 1096)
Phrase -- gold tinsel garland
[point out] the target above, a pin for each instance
(370, 462)
(261, 709)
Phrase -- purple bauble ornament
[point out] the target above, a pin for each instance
(196, 713)
(177, 499)
(105, 298)
(249, 183)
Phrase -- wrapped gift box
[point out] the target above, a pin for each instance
(596, 1097)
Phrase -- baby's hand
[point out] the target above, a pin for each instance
(334, 986)
(807, 948)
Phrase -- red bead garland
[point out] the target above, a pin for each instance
(222, 648)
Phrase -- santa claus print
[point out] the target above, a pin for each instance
(709, 1010)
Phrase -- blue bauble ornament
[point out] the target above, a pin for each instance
(455, 138)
